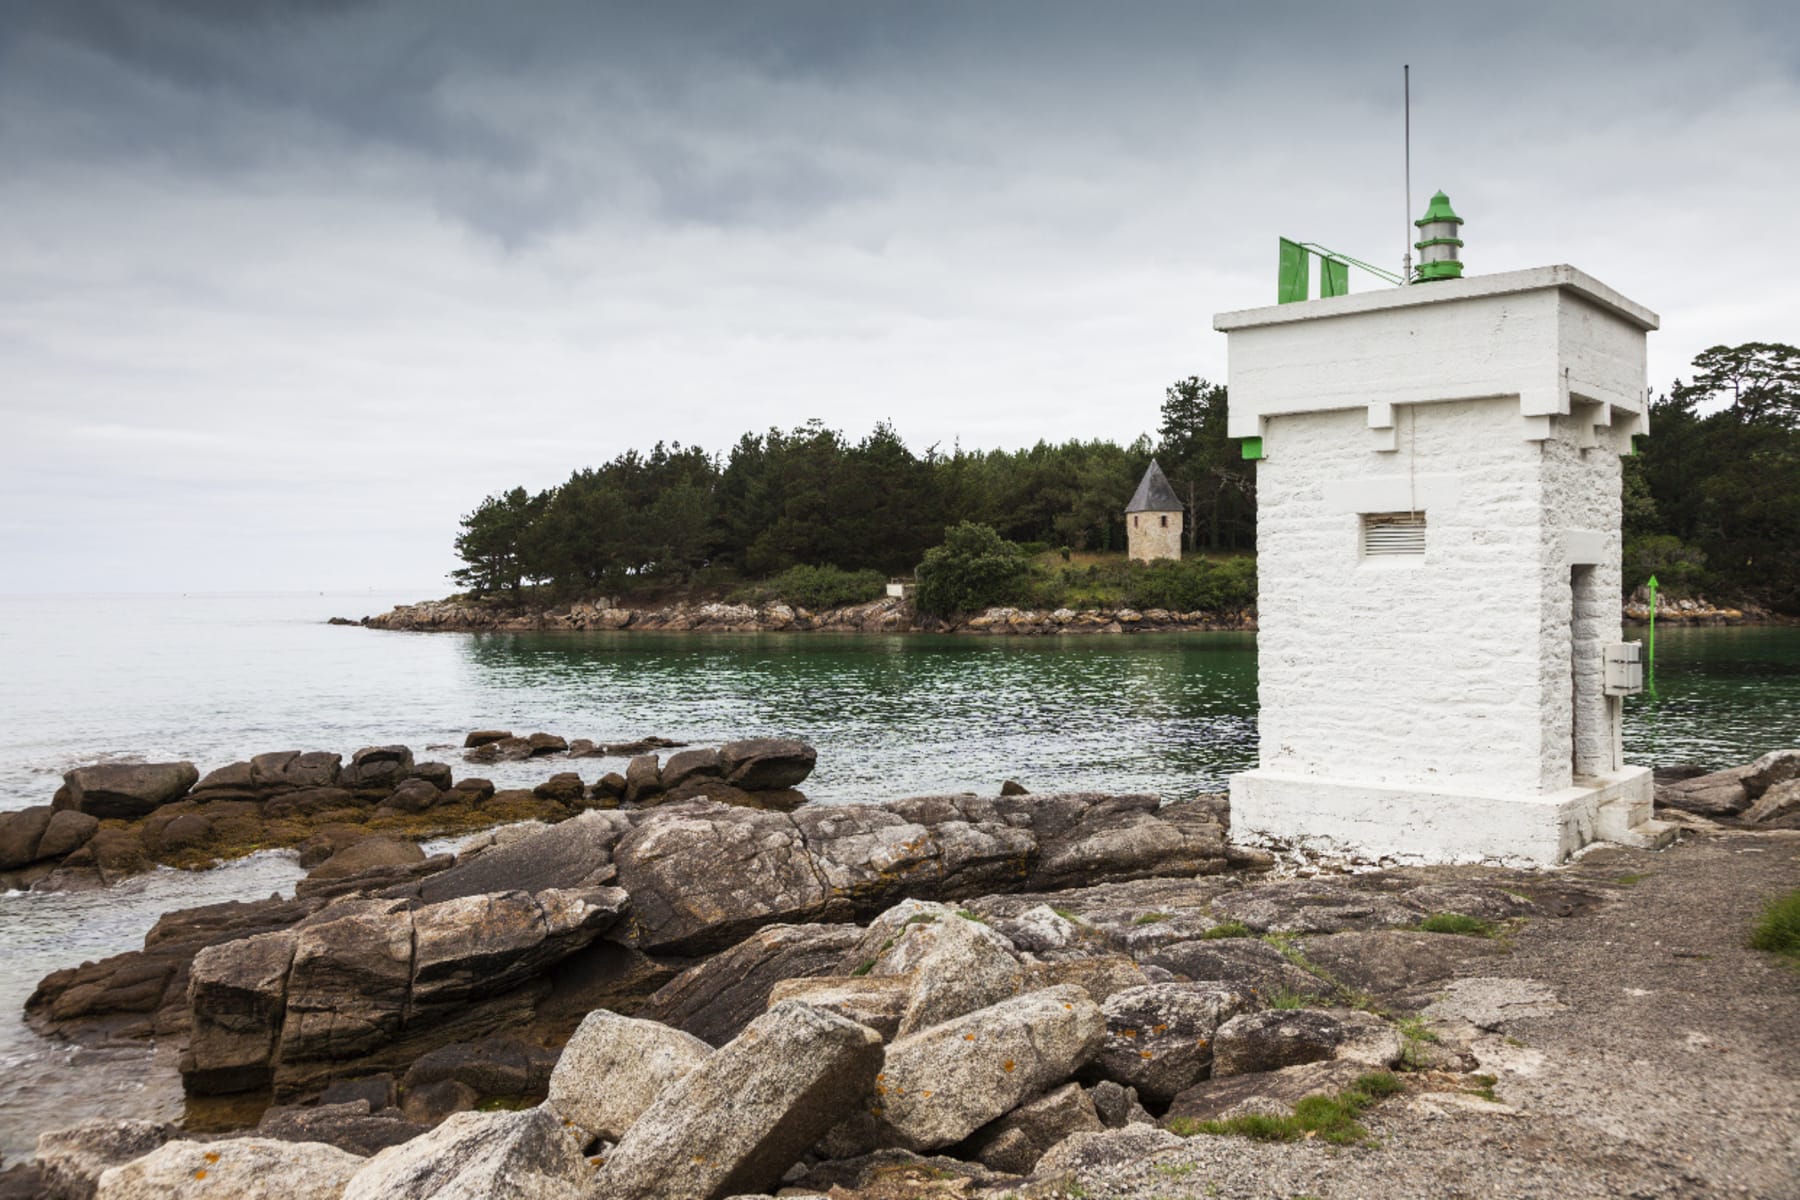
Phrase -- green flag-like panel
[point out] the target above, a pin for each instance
(1334, 277)
(1291, 285)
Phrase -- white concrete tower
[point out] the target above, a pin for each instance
(1438, 539)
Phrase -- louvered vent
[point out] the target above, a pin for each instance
(1387, 535)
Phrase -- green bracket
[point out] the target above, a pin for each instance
(1251, 448)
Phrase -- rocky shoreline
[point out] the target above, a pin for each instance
(948, 995)
(895, 615)
(113, 820)
(888, 615)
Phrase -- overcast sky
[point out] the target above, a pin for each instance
(285, 288)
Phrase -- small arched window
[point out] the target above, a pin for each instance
(1165, 520)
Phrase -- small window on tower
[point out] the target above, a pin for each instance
(1165, 520)
(1134, 520)
(1392, 535)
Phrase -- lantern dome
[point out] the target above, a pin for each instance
(1439, 248)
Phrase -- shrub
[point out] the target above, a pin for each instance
(816, 588)
(973, 569)
(1679, 568)
(1778, 930)
(1193, 585)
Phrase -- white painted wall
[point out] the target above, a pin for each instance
(1422, 672)
(1447, 705)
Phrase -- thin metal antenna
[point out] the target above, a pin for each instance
(1406, 89)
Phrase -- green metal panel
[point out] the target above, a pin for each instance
(1251, 448)
(1334, 277)
(1291, 283)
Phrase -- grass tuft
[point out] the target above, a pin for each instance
(1288, 998)
(1778, 929)
(1330, 1119)
(1456, 923)
(1151, 918)
(1415, 1035)
(1230, 929)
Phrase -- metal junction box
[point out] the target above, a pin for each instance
(1624, 668)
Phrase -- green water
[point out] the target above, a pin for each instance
(1719, 696)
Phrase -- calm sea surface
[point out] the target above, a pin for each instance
(218, 678)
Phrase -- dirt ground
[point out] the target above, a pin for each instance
(1660, 1058)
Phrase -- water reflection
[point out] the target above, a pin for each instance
(902, 715)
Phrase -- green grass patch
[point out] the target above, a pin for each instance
(1230, 929)
(1288, 998)
(1456, 923)
(1151, 918)
(1068, 914)
(966, 915)
(1778, 929)
(1483, 1086)
(863, 970)
(1633, 879)
(1331, 1119)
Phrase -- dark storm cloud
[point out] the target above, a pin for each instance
(283, 275)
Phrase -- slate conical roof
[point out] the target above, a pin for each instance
(1154, 494)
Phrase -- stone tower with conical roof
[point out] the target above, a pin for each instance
(1153, 518)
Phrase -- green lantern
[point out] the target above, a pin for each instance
(1439, 248)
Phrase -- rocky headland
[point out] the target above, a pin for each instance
(963, 996)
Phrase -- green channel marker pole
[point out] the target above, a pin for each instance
(1650, 649)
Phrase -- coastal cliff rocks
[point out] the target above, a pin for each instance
(124, 790)
(1159, 1037)
(72, 1160)
(314, 801)
(747, 1113)
(941, 1084)
(478, 1156)
(286, 1008)
(1268, 1041)
(1015, 1142)
(243, 1168)
(1737, 792)
(612, 1069)
(716, 998)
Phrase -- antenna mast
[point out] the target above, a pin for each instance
(1406, 104)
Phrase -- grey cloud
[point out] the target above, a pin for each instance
(307, 280)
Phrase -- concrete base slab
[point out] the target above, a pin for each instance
(1430, 825)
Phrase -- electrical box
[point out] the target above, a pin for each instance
(1624, 669)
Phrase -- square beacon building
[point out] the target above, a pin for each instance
(1441, 670)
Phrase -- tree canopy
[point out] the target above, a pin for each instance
(812, 496)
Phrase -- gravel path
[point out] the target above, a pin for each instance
(1667, 1063)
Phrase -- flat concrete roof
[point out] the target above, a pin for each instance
(1470, 287)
